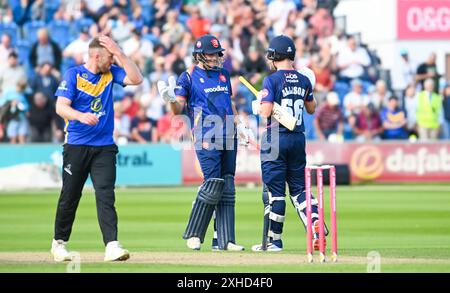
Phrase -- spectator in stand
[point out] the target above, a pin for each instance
(259, 8)
(210, 10)
(5, 49)
(324, 81)
(337, 41)
(410, 104)
(130, 105)
(153, 103)
(173, 128)
(159, 73)
(296, 21)
(197, 24)
(368, 126)
(302, 57)
(38, 11)
(97, 8)
(355, 100)
(173, 28)
(407, 70)
(143, 129)
(161, 7)
(45, 50)
(311, 40)
(122, 124)
(78, 49)
(137, 18)
(12, 74)
(322, 22)
(138, 49)
(17, 127)
(237, 48)
(379, 98)
(259, 39)
(429, 111)
(394, 120)
(254, 66)
(177, 64)
(121, 28)
(329, 118)
(446, 110)
(428, 70)
(278, 12)
(41, 118)
(46, 81)
(72, 9)
(309, 8)
(351, 60)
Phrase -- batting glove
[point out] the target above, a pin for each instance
(244, 133)
(256, 104)
(167, 92)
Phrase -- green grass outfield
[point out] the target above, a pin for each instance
(408, 225)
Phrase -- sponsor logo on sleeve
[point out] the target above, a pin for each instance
(63, 86)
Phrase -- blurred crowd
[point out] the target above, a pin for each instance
(41, 39)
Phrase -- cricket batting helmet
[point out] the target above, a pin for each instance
(210, 45)
(280, 48)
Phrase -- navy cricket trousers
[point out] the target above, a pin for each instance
(217, 161)
(285, 164)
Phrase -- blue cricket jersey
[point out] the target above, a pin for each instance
(208, 95)
(290, 89)
(90, 92)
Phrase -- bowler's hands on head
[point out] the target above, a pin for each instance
(88, 118)
(110, 45)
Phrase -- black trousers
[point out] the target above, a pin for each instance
(78, 163)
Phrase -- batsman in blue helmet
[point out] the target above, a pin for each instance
(206, 92)
(293, 90)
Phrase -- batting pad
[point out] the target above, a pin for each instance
(208, 196)
(299, 202)
(225, 216)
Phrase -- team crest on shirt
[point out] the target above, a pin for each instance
(96, 105)
(215, 43)
(222, 78)
(202, 80)
(84, 75)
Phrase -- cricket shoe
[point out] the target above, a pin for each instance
(193, 243)
(115, 252)
(271, 247)
(215, 244)
(230, 247)
(59, 251)
(316, 243)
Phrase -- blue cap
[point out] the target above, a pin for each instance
(281, 47)
(403, 52)
(207, 44)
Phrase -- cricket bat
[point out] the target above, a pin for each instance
(278, 112)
